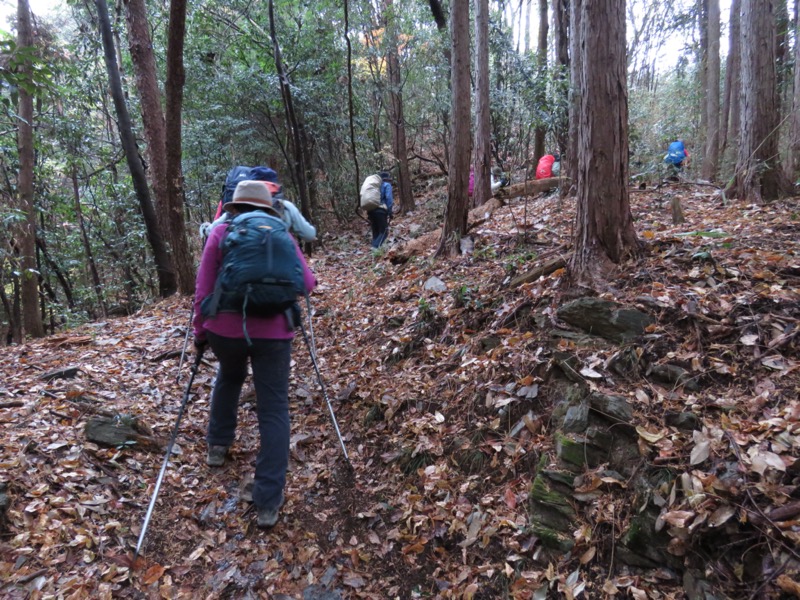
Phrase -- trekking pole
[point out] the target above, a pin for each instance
(149, 514)
(310, 324)
(185, 342)
(324, 392)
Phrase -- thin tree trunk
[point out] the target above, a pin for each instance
(298, 166)
(793, 158)
(759, 175)
(528, 6)
(541, 62)
(730, 110)
(396, 115)
(87, 247)
(561, 30)
(711, 159)
(167, 281)
(455, 216)
(176, 77)
(570, 165)
(29, 280)
(350, 109)
(483, 157)
(604, 232)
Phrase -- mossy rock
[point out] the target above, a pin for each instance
(578, 452)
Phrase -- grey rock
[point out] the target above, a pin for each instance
(614, 408)
(605, 319)
(434, 284)
(577, 418)
(683, 420)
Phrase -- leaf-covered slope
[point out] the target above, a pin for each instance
(449, 395)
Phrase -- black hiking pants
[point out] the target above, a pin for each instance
(379, 220)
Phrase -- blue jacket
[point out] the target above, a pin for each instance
(386, 196)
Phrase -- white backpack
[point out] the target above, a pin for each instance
(371, 193)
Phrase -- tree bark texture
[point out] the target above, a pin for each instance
(29, 278)
(729, 133)
(711, 159)
(561, 27)
(455, 215)
(167, 281)
(541, 61)
(570, 164)
(396, 114)
(483, 155)
(604, 230)
(350, 109)
(759, 176)
(793, 158)
(176, 77)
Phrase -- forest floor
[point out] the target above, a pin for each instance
(445, 393)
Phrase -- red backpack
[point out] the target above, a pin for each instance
(545, 167)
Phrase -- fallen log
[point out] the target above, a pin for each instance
(532, 187)
(544, 269)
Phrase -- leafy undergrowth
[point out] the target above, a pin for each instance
(445, 400)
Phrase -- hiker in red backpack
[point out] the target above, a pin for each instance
(545, 167)
(263, 339)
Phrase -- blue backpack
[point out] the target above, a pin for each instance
(235, 175)
(675, 153)
(261, 274)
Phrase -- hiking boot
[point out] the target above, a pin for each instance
(267, 517)
(216, 456)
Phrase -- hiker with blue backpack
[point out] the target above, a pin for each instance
(287, 211)
(377, 200)
(250, 277)
(677, 156)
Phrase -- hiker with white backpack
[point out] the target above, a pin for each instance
(250, 277)
(377, 200)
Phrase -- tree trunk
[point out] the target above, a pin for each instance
(528, 6)
(604, 232)
(570, 165)
(87, 247)
(793, 158)
(483, 156)
(298, 164)
(541, 62)
(29, 279)
(350, 109)
(702, 73)
(167, 281)
(396, 115)
(730, 110)
(455, 215)
(561, 27)
(181, 255)
(711, 159)
(759, 175)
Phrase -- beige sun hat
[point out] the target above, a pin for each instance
(252, 193)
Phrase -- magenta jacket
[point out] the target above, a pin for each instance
(230, 324)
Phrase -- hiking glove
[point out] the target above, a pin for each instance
(200, 345)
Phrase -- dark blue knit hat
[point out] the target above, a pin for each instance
(263, 174)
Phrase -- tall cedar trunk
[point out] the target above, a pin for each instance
(483, 156)
(793, 158)
(759, 176)
(702, 74)
(167, 281)
(561, 28)
(729, 134)
(528, 6)
(87, 247)
(711, 160)
(455, 214)
(350, 109)
(29, 285)
(541, 61)
(397, 117)
(575, 91)
(604, 231)
(143, 59)
(298, 163)
(176, 78)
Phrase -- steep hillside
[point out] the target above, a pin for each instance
(510, 437)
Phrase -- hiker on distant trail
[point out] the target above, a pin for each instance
(247, 319)
(377, 200)
(544, 169)
(290, 214)
(677, 156)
